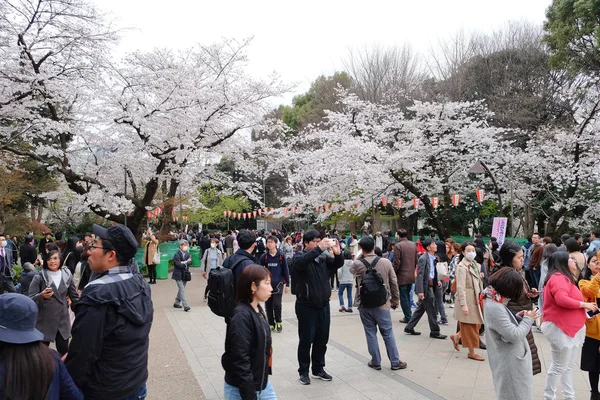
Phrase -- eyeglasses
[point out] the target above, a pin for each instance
(54, 259)
(93, 246)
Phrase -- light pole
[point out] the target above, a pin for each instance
(480, 168)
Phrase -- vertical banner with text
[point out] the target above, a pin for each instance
(499, 229)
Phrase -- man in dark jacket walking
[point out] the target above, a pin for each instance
(312, 267)
(243, 256)
(181, 263)
(405, 262)
(426, 284)
(27, 252)
(108, 355)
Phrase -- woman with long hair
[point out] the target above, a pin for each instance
(564, 322)
(70, 256)
(29, 370)
(590, 353)
(506, 336)
(51, 290)
(549, 249)
(149, 253)
(247, 357)
(511, 255)
(469, 285)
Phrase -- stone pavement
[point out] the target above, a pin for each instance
(435, 370)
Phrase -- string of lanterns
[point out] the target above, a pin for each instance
(335, 207)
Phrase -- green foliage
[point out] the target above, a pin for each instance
(18, 271)
(573, 28)
(215, 203)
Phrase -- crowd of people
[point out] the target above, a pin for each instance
(90, 300)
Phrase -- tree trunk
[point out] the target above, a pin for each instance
(40, 212)
(376, 219)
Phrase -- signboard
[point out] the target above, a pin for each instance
(499, 229)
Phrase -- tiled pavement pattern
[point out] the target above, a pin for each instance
(434, 370)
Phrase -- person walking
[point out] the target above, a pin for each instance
(590, 353)
(312, 266)
(211, 259)
(275, 261)
(28, 368)
(108, 355)
(469, 284)
(149, 253)
(52, 290)
(247, 360)
(564, 323)
(373, 317)
(405, 261)
(7, 272)
(181, 261)
(506, 336)
(426, 284)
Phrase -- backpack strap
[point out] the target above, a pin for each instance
(370, 265)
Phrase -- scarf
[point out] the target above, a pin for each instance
(490, 293)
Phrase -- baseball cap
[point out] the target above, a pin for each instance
(121, 237)
(18, 315)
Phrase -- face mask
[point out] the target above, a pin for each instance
(470, 255)
(3, 243)
(185, 249)
(213, 245)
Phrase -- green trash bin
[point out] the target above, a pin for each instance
(162, 269)
(195, 253)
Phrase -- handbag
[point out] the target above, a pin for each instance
(442, 270)
(186, 276)
(156, 258)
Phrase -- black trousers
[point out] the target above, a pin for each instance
(62, 344)
(313, 331)
(273, 306)
(152, 272)
(333, 277)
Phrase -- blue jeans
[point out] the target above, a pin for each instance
(348, 288)
(405, 301)
(412, 294)
(141, 395)
(233, 393)
(372, 318)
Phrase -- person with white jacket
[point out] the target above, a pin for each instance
(345, 278)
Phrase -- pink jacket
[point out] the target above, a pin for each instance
(561, 304)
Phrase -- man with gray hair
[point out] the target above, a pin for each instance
(181, 261)
(26, 277)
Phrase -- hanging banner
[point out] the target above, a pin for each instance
(399, 202)
(455, 200)
(499, 229)
(435, 202)
(480, 195)
(417, 203)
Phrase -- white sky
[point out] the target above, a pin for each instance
(301, 40)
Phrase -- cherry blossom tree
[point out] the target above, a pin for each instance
(369, 150)
(118, 132)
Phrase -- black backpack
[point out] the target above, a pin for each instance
(221, 288)
(371, 289)
(260, 247)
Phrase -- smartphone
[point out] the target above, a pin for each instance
(591, 314)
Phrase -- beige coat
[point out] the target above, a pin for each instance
(468, 288)
(150, 250)
(386, 270)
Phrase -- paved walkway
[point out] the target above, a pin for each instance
(435, 370)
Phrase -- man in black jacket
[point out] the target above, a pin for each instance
(27, 252)
(108, 355)
(311, 269)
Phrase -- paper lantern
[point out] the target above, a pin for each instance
(384, 201)
(399, 202)
(417, 203)
(224, 213)
(455, 200)
(260, 212)
(480, 195)
(435, 202)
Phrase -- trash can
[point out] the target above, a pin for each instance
(162, 269)
(195, 254)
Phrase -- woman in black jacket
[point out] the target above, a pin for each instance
(247, 358)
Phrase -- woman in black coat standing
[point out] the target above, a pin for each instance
(51, 290)
(247, 358)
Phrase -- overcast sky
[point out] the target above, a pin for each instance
(301, 40)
